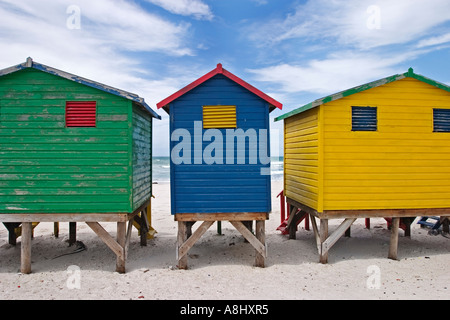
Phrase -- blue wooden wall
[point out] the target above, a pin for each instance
(215, 188)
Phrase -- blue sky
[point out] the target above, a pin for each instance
(295, 51)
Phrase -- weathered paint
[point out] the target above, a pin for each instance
(46, 167)
(121, 93)
(404, 164)
(142, 156)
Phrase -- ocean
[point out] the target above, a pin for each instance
(161, 169)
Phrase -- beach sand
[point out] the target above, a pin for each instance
(221, 266)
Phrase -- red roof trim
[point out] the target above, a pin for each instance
(209, 75)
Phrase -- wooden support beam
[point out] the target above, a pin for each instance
(25, 255)
(336, 235)
(323, 236)
(445, 221)
(56, 229)
(393, 246)
(225, 216)
(72, 233)
(189, 242)
(291, 223)
(65, 217)
(260, 247)
(117, 248)
(261, 237)
(128, 237)
(11, 226)
(181, 238)
(316, 233)
(144, 227)
(121, 241)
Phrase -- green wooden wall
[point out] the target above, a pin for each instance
(142, 156)
(46, 167)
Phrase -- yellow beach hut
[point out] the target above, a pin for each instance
(381, 149)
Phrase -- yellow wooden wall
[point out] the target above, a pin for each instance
(404, 164)
(301, 158)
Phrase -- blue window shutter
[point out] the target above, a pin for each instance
(441, 120)
(364, 119)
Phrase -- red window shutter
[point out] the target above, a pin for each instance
(80, 113)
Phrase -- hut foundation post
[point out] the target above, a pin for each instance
(72, 233)
(445, 224)
(25, 255)
(186, 238)
(261, 236)
(182, 237)
(323, 236)
(393, 246)
(121, 240)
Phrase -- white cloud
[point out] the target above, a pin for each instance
(110, 47)
(351, 23)
(329, 46)
(338, 72)
(196, 8)
(434, 41)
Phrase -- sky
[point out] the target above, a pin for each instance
(294, 51)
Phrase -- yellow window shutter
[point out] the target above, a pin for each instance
(219, 117)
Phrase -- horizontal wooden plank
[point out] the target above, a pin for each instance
(64, 217)
(385, 204)
(301, 198)
(222, 216)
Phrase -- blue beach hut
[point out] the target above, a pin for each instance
(220, 156)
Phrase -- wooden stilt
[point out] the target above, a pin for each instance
(116, 246)
(393, 246)
(323, 237)
(243, 222)
(445, 224)
(261, 236)
(72, 233)
(56, 229)
(291, 223)
(316, 233)
(348, 232)
(249, 226)
(27, 230)
(181, 238)
(121, 240)
(12, 237)
(254, 241)
(144, 227)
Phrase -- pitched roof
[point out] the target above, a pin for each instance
(218, 70)
(367, 86)
(121, 93)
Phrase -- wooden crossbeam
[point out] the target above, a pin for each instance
(185, 246)
(334, 237)
(107, 238)
(260, 248)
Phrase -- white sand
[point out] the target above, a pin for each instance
(221, 266)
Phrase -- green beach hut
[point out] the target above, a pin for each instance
(73, 150)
